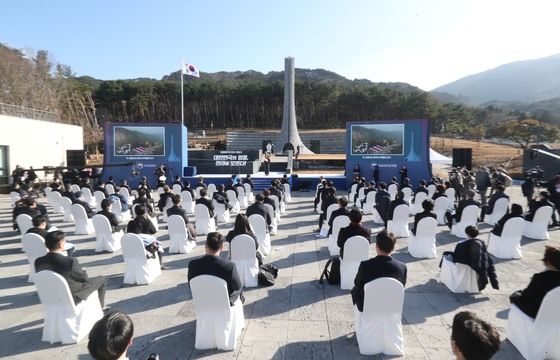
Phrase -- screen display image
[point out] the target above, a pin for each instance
(378, 139)
(139, 141)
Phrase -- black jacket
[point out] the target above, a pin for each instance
(208, 203)
(346, 233)
(334, 214)
(213, 265)
(473, 253)
(111, 217)
(529, 300)
(176, 210)
(462, 205)
(499, 226)
(534, 206)
(141, 225)
(420, 216)
(493, 199)
(221, 198)
(260, 209)
(393, 206)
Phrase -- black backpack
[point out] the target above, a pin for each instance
(267, 274)
(332, 275)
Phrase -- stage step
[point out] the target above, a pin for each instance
(261, 184)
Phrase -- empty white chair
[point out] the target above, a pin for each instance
(211, 190)
(361, 195)
(258, 224)
(34, 247)
(126, 195)
(458, 277)
(407, 194)
(67, 206)
(423, 244)
(232, 197)
(369, 203)
(287, 192)
(64, 321)
(241, 197)
(15, 197)
(218, 325)
(204, 223)
(88, 197)
(176, 189)
(538, 228)
(222, 212)
(508, 245)
(393, 189)
(188, 202)
(416, 206)
(244, 256)
(99, 196)
(178, 235)
(105, 240)
(48, 194)
(56, 198)
(84, 226)
(468, 217)
(379, 326)
(138, 268)
(537, 338)
(356, 250)
(338, 223)
(24, 223)
(399, 224)
(249, 192)
(110, 189)
(431, 190)
(197, 192)
(450, 194)
(500, 209)
(441, 205)
(325, 228)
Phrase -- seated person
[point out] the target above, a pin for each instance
(499, 194)
(28, 206)
(421, 189)
(220, 197)
(259, 208)
(342, 210)
(177, 209)
(77, 198)
(143, 226)
(473, 338)
(124, 184)
(200, 183)
(40, 228)
(275, 190)
(428, 207)
(382, 192)
(166, 194)
(187, 187)
(399, 200)
(472, 252)
(440, 192)
(383, 265)
(268, 200)
(100, 186)
(368, 188)
(455, 218)
(111, 336)
(145, 186)
(143, 200)
(178, 181)
(542, 200)
(249, 181)
(328, 201)
(242, 227)
(81, 286)
(354, 229)
(212, 264)
(106, 207)
(529, 300)
(516, 211)
(206, 202)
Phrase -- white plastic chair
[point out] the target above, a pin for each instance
(122, 216)
(56, 198)
(99, 197)
(188, 202)
(468, 217)
(393, 189)
(24, 223)
(370, 203)
(407, 194)
(325, 228)
(176, 189)
(431, 190)
(242, 198)
(287, 192)
(204, 223)
(538, 228)
(138, 268)
(15, 197)
(399, 224)
(105, 240)
(64, 321)
(423, 244)
(110, 189)
(356, 250)
(197, 192)
(352, 193)
(211, 190)
(274, 222)
(232, 197)
(258, 224)
(361, 195)
(508, 245)
(66, 204)
(450, 194)
(276, 202)
(167, 206)
(457, 277)
(249, 192)
(88, 197)
(537, 338)
(218, 325)
(244, 256)
(34, 247)
(500, 209)
(222, 212)
(84, 226)
(379, 326)
(338, 223)
(178, 236)
(126, 195)
(416, 206)
(441, 205)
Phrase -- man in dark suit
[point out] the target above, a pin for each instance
(460, 207)
(421, 188)
(399, 200)
(499, 194)
(77, 199)
(178, 182)
(328, 201)
(354, 229)
(529, 300)
(200, 183)
(383, 265)
(212, 264)
(176, 209)
(106, 205)
(342, 210)
(100, 186)
(543, 200)
(249, 181)
(428, 206)
(220, 197)
(81, 286)
(206, 202)
(274, 190)
(163, 197)
(260, 209)
(382, 192)
(40, 228)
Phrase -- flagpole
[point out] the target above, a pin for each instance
(182, 97)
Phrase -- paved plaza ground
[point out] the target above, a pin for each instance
(297, 318)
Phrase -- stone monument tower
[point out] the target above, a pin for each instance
(289, 136)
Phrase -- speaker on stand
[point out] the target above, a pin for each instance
(462, 157)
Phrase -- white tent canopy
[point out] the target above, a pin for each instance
(437, 158)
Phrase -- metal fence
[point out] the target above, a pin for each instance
(21, 111)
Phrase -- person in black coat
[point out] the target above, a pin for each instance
(499, 194)
(163, 197)
(428, 207)
(542, 200)
(106, 211)
(375, 173)
(220, 197)
(81, 286)
(178, 182)
(460, 207)
(200, 183)
(242, 227)
(382, 192)
(143, 200)
(421, 189)
(328, 201)
(403, 173)
(399, 200)
(530, 299)
(176, 209)
(355, 228)
(249, 181)
(212, 264)
(206, 202)
(76, 198)
(342, 210)
(516, 211)
(141, 224)
(101, 187)
(383, 265)
(259, 208)
(528, 188)
(440, 192)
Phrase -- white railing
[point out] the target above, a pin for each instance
(21, 111)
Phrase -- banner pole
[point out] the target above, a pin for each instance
(182, 95)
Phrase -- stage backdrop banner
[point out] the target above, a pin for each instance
(141, 148)
(390, 145)
(224, 161)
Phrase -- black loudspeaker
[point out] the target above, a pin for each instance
(462, 157)
(75, 158)
(316, 146)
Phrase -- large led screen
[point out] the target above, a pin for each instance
(378, 139)
(139, 141)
